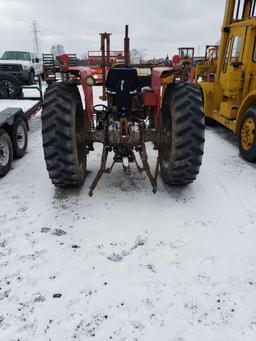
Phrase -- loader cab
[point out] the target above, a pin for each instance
(236, 67)
(237, 70)
(187, 54)
(211, 54)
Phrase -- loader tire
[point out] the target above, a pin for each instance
(182, 120)
(247, 135)
(63, 132)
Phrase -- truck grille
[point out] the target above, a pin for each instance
(10, 67)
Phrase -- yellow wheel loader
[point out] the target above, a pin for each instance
(231, 98)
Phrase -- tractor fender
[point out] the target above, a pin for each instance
(84, 72)
(249, 101)
(161, 76)
(212, 95)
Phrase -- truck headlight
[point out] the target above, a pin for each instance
(25, 67)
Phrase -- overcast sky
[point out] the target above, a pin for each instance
(159, 26)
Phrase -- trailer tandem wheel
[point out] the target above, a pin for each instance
(6, 153)
(19, 136)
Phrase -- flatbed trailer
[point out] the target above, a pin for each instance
(14, 126)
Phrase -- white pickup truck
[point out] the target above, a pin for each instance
(23, 65)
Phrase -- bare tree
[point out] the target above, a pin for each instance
(83, 56)
(138, 54)
(57, 50)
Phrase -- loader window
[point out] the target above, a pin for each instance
(236, 49)
(244, 9)
(239, 9)
(254, 52)
(253, 9)
(225, 64)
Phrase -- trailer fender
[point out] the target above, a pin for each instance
(8, 116)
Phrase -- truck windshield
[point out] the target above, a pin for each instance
(16, 55)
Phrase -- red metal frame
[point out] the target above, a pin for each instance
(96, 60)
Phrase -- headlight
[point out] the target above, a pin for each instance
(89, 81)
(25, 67)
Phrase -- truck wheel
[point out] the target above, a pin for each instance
(10, 86)
(6, 153)
(31, 80)
(19, 137)
(183, 128)
(247, 135)
(63, 130)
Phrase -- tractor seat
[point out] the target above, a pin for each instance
(122, 84)
(122, 79)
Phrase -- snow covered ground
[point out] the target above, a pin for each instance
(127, 264)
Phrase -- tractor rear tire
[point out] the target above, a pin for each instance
(63, 131)
(183, 121)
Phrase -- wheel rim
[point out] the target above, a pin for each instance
(20, 137)
(4, 153)
(248, 133)
(7, 88)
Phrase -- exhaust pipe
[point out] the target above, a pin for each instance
(126, 47)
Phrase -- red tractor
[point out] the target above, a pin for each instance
(167, 113)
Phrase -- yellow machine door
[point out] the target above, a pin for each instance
(252, 82)
(231, 76)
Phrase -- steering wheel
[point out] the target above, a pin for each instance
(104, 108)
